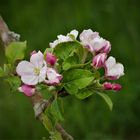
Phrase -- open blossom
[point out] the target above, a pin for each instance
(53, 78)
(27, 90)
(62, 38)
(110, 86)
(50, 58)
(113, 70)
(94, 42)
(99, 60)
(32, 72)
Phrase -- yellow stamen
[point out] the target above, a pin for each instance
(37, 71)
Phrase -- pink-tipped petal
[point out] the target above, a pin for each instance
(53, 77)
(97, 44)
(99, 60)
(86, 37)
(33, 52)
(106, 48)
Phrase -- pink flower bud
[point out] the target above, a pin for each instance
(116, 87)
(110, 86)
(51, 59)
(27, 90)
(107, 86)
(99, 60)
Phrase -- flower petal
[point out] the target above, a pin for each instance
(53, 77)
(37, 59)
(97, 44)
(54, 43)
(30, 79)
(110, 62)
(42, 74)
(87, 35)
(63, 38)
(74, 32)
(24, 68)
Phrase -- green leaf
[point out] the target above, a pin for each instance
(81, 51)
(107, 99)
(7, 69)
(66, 49)
(70, 62)
(55, 136)
(84, 93)
(76, 79)
(55, 111)
(14, 82)
(15, 51)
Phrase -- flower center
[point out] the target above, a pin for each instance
(37, 71)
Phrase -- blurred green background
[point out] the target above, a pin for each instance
(39, 22)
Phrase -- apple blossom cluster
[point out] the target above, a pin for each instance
(36, 71)
(42, 69)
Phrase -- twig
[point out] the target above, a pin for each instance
(6, 35)
(39, 103)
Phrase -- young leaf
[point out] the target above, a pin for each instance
(65, 49)
(76, 79)
(55, 111)
(84, 93)
(107, 99)
(14, 82)
(7, 69)
(15, 51)
(70, 62)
